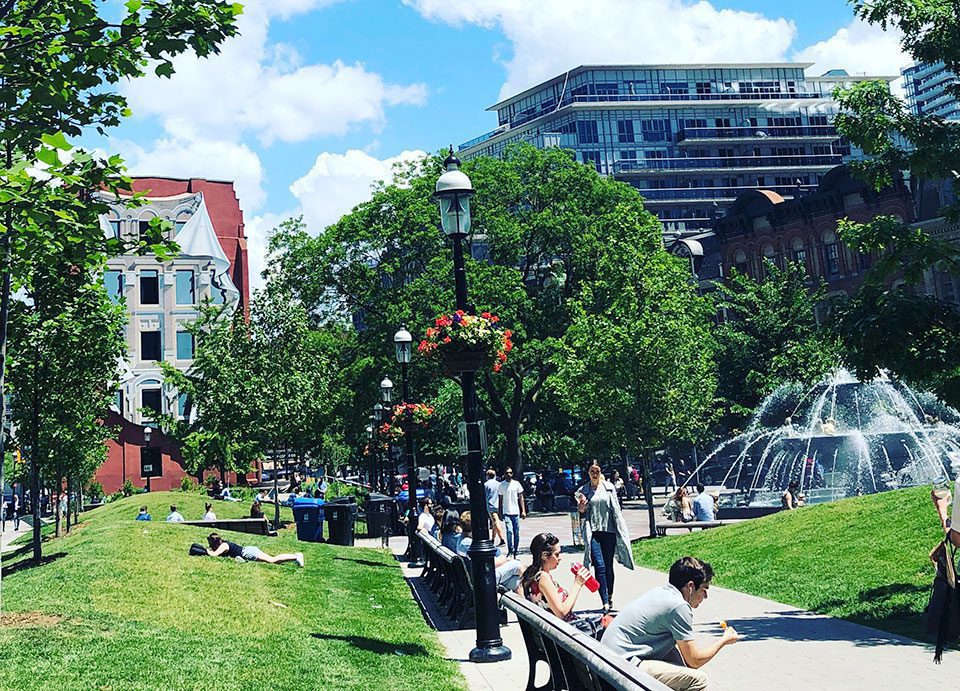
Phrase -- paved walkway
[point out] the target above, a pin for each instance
(783, 648)
(9, 535)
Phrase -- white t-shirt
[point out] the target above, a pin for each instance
(511, 490)
(209, 516)
(426, 521)
(955, 513)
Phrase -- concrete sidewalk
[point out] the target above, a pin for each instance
(783, 647)
(9, 535)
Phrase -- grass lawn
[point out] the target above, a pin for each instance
(128, 609)
(862, 559)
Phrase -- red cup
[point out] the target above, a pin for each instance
(593, 585)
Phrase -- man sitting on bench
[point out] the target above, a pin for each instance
(655, 631)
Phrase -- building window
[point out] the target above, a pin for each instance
(152, 400)
(592, 158)
(115, 228)
(625, 131)
(186, 294)
(118, 401)
(587, 132)
(216, 292)
(151, 347)
(628, 155)
(184, 345)
(143, 228)
(149, 287)
(182, 406)
(180, 223)
(832, 253)
(113, 281)
(704, 88)
(740, 261)
(654, 130)
(799, 252)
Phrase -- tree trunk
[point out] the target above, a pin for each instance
(70, 502)
(35, 496)
(58, 532)
(513, 457)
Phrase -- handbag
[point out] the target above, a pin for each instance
(943, 607)
(197, 550)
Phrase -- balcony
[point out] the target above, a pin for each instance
(673, 195)
(653, 166)
(709, 135)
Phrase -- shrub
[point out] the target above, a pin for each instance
(94, 490)
(129, 489)
(187, 484)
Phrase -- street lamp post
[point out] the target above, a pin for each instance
(453, 193)
(402, 342)
(147, 434)
(377, 420)
(386, 395)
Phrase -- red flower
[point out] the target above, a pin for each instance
(447, 339)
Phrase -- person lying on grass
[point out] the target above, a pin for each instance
(224, 548)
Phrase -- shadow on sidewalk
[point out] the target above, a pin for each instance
(375, 645)
(800, 625)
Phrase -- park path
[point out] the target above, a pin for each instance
(783, 648)
(9, 535)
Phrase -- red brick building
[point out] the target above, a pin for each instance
(161, 298)
(761, 225)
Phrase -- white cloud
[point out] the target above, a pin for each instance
(547, 40)
(338, 182)
(254, 86)
(183, 156)
(858, 48)
(258, 228)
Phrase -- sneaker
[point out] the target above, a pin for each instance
(239, 560)
(299, 556)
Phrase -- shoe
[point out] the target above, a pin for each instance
(239, 560)
(299, 556)
(606, 607)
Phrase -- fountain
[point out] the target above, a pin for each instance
(841, 438)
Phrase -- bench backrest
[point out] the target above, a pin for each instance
(576, 660)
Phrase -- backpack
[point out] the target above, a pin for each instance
(197, 550)
(943, 607)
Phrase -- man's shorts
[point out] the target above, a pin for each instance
(252, 553)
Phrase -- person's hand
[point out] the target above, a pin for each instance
(730, 635)
(523, 514)
(582, 575)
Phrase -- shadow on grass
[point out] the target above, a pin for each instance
(374, 645)
(367, 562)
(800, 625)
(898, 607)
(25, 564)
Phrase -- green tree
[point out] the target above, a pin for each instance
(887, 324)
(541, 218)
(66, 338)
(639, 354)
(770, 336)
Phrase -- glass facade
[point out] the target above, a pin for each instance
(690, 139)
(927, 93)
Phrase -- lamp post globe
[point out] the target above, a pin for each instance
(453, 193)
(386, 389)
(147, 433)
(403, 343)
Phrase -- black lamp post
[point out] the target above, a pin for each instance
(386, 395)
(375, 461)
(402, 341)
(147, 434)
(453, 193)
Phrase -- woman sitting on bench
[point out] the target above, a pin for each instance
(224, 548)
(539, 585)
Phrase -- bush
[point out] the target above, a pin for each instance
(187, 484)
(129, 489)
(342, 489)
(94, 490)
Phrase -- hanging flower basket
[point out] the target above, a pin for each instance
(407, 417)
(467, 342)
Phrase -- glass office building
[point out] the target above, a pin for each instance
(926, 87)
(690, 137)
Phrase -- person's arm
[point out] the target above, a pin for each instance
(558, 605)
(697, 656)
(523, 505)
(224, 547)
(581, 501)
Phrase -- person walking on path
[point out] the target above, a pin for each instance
(655, 631)
(512, 507)
(492, 490)
(671, 480)
(605, 531)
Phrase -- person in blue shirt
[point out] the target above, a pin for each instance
(143, 515)
(704, 508)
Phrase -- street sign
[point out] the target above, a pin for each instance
(151, 464)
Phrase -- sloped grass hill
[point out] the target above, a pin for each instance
(864, 559)
(131, 610)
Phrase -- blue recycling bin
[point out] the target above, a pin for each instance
(308, 515)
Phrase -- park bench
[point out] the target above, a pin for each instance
(255, 526)
(447, 576)
(574, 659)
(664, 526)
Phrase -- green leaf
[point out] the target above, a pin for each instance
(58, 141)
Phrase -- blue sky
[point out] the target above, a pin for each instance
(317, 98)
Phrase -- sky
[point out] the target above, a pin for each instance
(316, 99)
